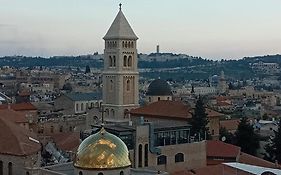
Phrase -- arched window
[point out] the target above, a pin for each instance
(111, 85)
(125, 61)
(158, 98)
(114, 61)
(1, 167)
(162, 160)
(132, 44)
(82, 106)
(129, 44)
(126, 44)
(112, 112)
(107, 112)
(179, 157)
(149, 99)
(140, 155)
(27, 173)
(128, 85)
(77, 107)
(126, 113)
(121, 172)
(123, 44)
(61, 128)
(168, 98)
(130, 61)
(100, 174)
(146, 155)
(80, 173)
(10, 168)
(110, 61)
(70, 128)
(52, 129)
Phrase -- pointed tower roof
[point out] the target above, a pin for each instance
(120, 28)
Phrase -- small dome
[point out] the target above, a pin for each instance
(159, 88)
(102, 151)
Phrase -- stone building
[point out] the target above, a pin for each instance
(120, 74)
(78, 103)
(174, 112)
(19, 149)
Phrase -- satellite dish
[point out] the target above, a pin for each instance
(223, 138)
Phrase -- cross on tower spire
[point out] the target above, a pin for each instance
(120, 6)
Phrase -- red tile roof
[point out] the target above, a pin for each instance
(15, 140)
(164, 108)
(210, 170)
(217, 148)
(169, 109)
(252, 160)
(19, 106)
(67, 141)
(15, 116)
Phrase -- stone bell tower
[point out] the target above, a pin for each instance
(120, 74)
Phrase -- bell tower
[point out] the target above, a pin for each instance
(120, 74)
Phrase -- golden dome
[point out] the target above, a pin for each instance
(102, 151)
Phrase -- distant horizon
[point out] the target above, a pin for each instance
(140, 53)
(214, 30)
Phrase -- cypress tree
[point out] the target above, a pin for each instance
(246, 137)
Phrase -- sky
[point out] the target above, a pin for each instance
(214, 29)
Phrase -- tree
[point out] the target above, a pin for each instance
(199, 120)
(226, 136)
(273, 148)
(88, 70)
(246, 138)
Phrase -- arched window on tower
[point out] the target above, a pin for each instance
(125, 61)
(114, 61)
(110, 61)
(140, 155)
(112, 113)
(126, 44)
(132, 44)
(123, 44)
(128, 84)
(10, 168)
(129, 44)
(130, 61)
(111, 85)
(80, 173)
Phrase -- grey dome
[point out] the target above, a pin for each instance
(159, 88)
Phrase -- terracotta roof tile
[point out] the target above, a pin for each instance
(67, 141)
(19, 106)
(15, 116)
(164, 108)
(15, 140)
(171, 109)
(210, 170)
(220, 149)
(252, 160)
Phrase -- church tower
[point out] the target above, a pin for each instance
(120, 74)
